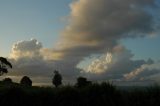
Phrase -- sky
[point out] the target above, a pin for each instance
(99, 39)
(26, 19)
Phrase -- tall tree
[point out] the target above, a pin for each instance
(57, 79)
(4, 65)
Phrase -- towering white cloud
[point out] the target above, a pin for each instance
(27, 59)
(100, 65)
(26, 49)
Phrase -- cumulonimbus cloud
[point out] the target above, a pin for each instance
(98, 25)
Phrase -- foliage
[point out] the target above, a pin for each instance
(26, 81)
(4, 64)
(7, 80)
(104, 94)
(82, 82)
(57, 79)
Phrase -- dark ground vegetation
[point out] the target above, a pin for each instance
(104, 94)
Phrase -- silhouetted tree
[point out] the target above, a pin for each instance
(4, 64)
(82, 81)
(57, 79)
(26, 81)
(7, 80)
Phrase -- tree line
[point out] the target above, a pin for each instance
(26, 81)
(56, 81)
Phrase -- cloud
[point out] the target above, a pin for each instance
(122, 67)
(26, 49)
(28, 57)
(145, 72)
(95, 27)
(101, 64)
(117, 65)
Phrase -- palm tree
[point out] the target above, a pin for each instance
(4, 64)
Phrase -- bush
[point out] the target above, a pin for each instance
(7, 81)
(82, 82)
(26, 81)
